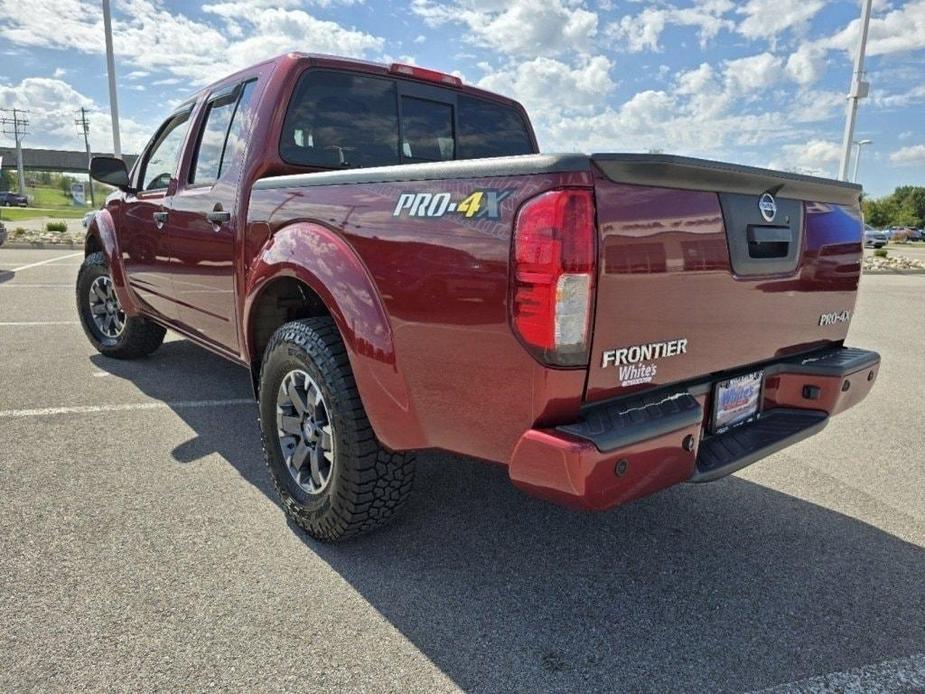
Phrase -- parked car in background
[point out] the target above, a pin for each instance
(874, 238)
(916, 235)
(10, 199)
(3, 234)
(901, 233)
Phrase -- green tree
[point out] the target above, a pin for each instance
(905, 206)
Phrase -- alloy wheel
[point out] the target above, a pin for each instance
(105, 309)
(305, 433)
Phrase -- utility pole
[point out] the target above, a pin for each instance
(84, 127)
(859, 90)
(16, 125)
(111, 69)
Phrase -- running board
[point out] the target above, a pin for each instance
(741, 446)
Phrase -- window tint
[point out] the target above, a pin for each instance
(240, 127)
(212, 141)
(338, 119)
(427, 130)
(487, 129)
(164, 155)
(221, 139)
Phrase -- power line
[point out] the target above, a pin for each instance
(83, 127)
(17, 125)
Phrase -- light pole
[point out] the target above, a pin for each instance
(111, 69)
(857, 157)
(859, 90)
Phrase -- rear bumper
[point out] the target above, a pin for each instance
(632, 447)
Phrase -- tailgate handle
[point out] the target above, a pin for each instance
(758, 234)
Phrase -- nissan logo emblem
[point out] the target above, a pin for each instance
(767, 207)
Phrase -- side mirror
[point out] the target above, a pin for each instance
(111, 171)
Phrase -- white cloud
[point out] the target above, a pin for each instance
(150, 38)
(530, 28)
(807, 64)
(752, 76)
(53, 106)
(815, 157)
(643, 31)
(913, 155)
(901, 29)
(765, 19)
(546, 85)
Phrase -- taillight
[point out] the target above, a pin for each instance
(553, 275)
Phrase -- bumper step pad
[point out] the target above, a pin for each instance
(619, 424)
(724, 454)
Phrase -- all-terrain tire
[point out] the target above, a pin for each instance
(368, 484)
(140, 336)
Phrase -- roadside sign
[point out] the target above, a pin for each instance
(77, 192)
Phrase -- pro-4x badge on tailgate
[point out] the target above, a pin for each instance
(483, 204)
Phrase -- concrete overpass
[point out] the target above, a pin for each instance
(54, 159)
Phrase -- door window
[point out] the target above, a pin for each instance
(161, 164)
(222, 136)
(239, 129)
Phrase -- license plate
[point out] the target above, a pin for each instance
(736, 401)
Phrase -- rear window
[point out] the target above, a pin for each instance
(340, 120)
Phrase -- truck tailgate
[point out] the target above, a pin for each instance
(706, 268)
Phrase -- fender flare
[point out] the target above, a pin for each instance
(321, 259)
(103, 229)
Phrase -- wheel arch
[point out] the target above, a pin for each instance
(318, 264)
(101, 237)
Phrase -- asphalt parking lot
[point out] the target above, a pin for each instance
(141, 546)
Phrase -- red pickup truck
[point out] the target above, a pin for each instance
(386, 251)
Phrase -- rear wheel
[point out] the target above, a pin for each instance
(333, 476)
(105, 323)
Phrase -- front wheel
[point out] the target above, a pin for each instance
(333, 476)
(106, 325)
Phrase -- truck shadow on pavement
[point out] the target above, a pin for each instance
(727, 586)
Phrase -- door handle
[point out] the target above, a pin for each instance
(160, 219)
(218, 217)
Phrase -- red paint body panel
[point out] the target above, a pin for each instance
(442, 335)
(665, 273)
(424, 304)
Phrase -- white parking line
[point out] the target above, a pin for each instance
(45, 262)
(900, 675)
(91, 409)
(32, 323)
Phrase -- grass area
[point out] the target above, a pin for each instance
(48, 196)
(18, 214)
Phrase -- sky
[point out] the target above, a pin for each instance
(760, 82)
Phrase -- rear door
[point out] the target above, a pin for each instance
(202, 224)
(143, 239)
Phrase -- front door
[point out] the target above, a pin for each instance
(202, 226)
(142, 229)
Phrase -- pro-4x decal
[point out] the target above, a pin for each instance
(484, 203)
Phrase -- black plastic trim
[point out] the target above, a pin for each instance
(741, 446)
(617, 424)
(519, 165)
(668, 171)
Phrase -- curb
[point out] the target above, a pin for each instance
(41, 245)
